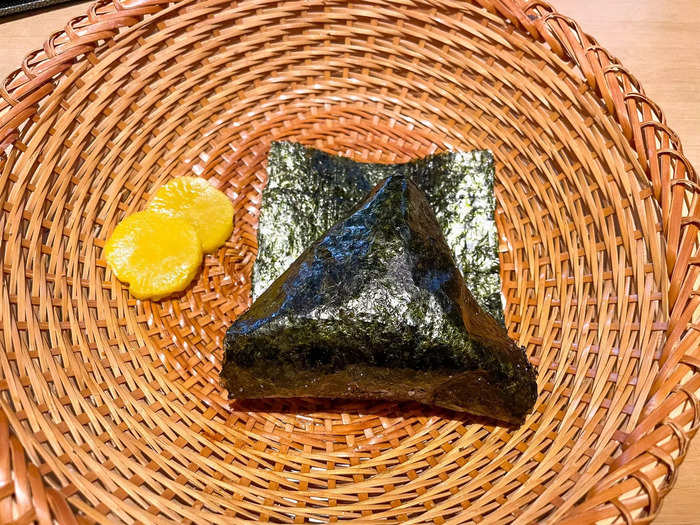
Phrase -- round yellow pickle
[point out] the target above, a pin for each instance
(156, 254)
(193, 198)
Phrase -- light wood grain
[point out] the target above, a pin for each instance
(22, 34)
(656, 39)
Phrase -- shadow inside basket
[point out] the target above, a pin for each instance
(316, 407)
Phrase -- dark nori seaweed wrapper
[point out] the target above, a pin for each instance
(377, 309)
(310, 190)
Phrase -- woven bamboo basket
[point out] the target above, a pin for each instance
(110, 407)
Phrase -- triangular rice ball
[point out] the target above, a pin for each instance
(376, 309)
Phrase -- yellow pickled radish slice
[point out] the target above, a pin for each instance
(194, 199)
(154, 253)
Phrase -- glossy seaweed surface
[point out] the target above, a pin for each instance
(376, 308)
(310, 190)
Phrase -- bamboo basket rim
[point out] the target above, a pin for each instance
(640, 121)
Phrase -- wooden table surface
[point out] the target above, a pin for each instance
(656, 39)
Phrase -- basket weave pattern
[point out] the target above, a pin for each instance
(111, 408)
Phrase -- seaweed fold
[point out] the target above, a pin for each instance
(309, 190)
